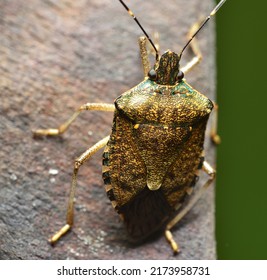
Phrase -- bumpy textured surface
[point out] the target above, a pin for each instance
(55, 56)
(155, 148)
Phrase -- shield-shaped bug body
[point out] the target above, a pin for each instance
(159, 130)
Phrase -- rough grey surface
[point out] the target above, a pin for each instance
(55, 56)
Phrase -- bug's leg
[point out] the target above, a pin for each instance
(156, 43)
(215, 138)
(211, 172)
(194, 47)
(78, 163)
(156, 39)
(62, 128)
(144, 55)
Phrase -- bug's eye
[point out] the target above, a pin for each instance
(180, 76)
(152, 75)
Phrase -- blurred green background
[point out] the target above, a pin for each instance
(242, 157)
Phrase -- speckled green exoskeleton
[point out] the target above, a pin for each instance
(153, 156)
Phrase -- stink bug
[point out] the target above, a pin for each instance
(152, 158)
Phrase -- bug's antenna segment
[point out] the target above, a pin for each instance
(139, 24)
(213, 12)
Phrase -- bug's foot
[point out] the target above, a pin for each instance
(172, 242)
(46, 132)
(216, 139)
(59, 234)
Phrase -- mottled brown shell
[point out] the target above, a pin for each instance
(154, 151)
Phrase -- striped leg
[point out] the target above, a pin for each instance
(215, 138)
(211, 172)
(78, 163)
(195, 48)
(62, 128)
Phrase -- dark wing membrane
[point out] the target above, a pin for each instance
(145, 214)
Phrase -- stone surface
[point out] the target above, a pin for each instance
(55, 56)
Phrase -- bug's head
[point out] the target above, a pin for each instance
(166, 71)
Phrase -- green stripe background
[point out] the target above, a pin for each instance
(241, 196)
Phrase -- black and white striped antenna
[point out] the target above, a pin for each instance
(213, 12)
